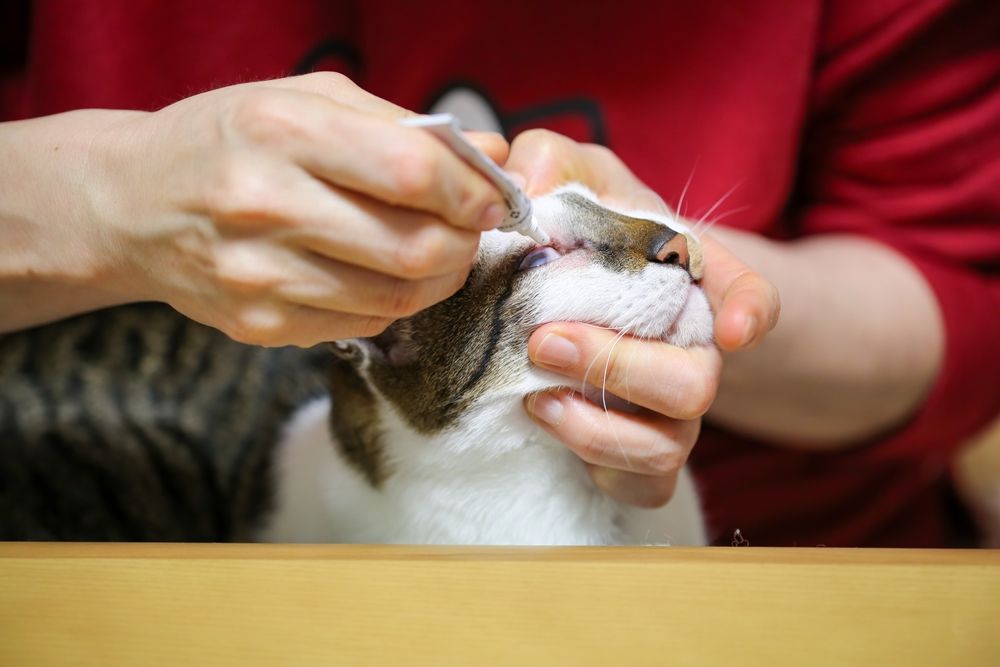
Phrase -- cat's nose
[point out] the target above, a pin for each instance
(672, 249)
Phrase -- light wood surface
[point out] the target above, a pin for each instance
(85, 604)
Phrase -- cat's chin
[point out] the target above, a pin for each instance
(694, 324)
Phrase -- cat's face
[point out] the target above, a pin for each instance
(632, 274)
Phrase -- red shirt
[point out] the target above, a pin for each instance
(877, 118)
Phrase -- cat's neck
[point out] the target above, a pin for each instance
(495, 477)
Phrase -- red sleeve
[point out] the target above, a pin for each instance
(14, 24)
(904, 148)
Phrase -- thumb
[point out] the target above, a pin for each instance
(746, 304)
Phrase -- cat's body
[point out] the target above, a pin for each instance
(135, 424)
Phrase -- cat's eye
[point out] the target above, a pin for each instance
(538, 257)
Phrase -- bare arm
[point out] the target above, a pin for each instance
(291, 211)
(858, 345)
(51, 265)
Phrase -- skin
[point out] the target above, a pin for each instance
(292, 211)
(861, 338)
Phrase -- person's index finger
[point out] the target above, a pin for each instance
(491, 143)
(398, 165)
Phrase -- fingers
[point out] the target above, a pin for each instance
(672, 381)
(631, 488)
(248, 269)
(273, 324)
(491, 143)
(546, 160)
(282, 204)
(644, 442)
(327, 285)
(367, 153)
(358, 230)
(343, 91)
(632, 457)
(746, 305)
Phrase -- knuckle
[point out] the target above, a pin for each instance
(455, 282)
(402, 299)
(603, 154)
(373, 326)
(610, 372)
(333, 81)
(658, 493)
(690, 393)
(239, 191)
(591, 447)
(239, 273)
(541, 139)
(266, 116)
(701, 395)
(420, 257)
(474, 200)
(662, 459)
(413, 173)
(255, 326)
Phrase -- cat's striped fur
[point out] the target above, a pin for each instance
(135, 423)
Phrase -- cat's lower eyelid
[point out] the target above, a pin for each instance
(539, 256)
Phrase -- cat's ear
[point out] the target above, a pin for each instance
(352, 350)
(393, 347)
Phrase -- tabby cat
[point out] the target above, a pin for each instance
(137, 424)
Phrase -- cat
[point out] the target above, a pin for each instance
(135, 423)
(424, 438)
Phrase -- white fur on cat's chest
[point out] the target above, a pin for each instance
(538, 493)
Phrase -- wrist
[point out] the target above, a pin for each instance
(57, 254)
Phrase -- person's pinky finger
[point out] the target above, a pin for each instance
(631, 488)
(311, 326)
(279, 324)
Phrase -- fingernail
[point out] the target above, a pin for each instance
(749, 330)
(547, 408)
(554, 350)
(492, 216)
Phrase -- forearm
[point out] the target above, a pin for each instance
(857, 347)
(55, 260)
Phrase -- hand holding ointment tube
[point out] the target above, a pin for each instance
(445, 127)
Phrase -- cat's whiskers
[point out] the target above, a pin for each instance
(625, 330)
(680, 201)
(711, 223)
(698, 232)
(604, 396)
(597, 355)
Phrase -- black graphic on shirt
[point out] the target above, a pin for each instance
(579, 117)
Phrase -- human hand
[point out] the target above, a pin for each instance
(634, 455)
(291, 211)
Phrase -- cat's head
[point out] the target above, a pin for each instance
(632, 272)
